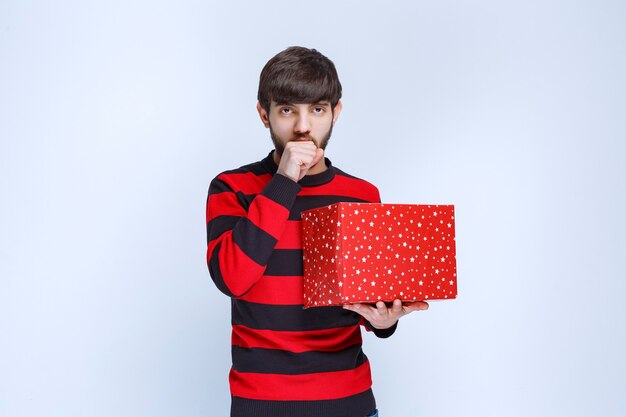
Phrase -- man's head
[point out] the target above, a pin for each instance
(299, 97)
(299, 75)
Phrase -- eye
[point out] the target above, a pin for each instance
(285, 111)
(318, 110)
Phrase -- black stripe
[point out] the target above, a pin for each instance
(282, 190)
(273, 361)
(216, 227)
(218, 186)
(382, 333)
(290, 317)
(257, 168)
(362, 404)
(245, 199)
(216, 273)
(344, 174)
(254, 241)
(285, 262)
(310, 202)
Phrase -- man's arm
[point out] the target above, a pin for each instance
(240, 242)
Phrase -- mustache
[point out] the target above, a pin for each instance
(304, 137)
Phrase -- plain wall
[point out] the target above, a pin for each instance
(114, 117)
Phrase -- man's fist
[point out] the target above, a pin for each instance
(298, 157)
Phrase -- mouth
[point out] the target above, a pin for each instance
(303, 139)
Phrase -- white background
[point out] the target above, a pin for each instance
(114, 117)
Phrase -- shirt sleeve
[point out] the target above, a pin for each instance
(240, 240)
(381, 333)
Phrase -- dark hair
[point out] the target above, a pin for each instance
(299, 75)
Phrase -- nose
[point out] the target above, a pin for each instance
(303, 124)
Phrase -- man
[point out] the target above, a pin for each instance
(288, 361)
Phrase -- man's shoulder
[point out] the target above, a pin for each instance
(255, 168)
(367, 189)
(245, 178)
(343, 173)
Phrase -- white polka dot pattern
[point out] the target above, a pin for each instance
(365, 252)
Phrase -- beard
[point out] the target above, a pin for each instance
(279, 143)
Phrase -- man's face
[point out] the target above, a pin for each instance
(293, 122)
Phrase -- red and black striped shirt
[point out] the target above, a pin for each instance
(287, 361)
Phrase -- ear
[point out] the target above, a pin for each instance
(337, 110)
(265, 118)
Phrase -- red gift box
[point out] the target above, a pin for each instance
(366, 252)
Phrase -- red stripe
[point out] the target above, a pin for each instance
(286, 290)
(223, 204)
(239, 272)
(228, 235)
(247, 183)
(268, 215)
(346, 187)
(306, 387)
(292, 236)
(329, 340)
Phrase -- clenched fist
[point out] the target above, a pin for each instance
(298, 158)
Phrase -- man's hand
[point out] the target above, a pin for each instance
(298, 157)
(382, 317)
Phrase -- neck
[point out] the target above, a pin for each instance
(318, 168)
